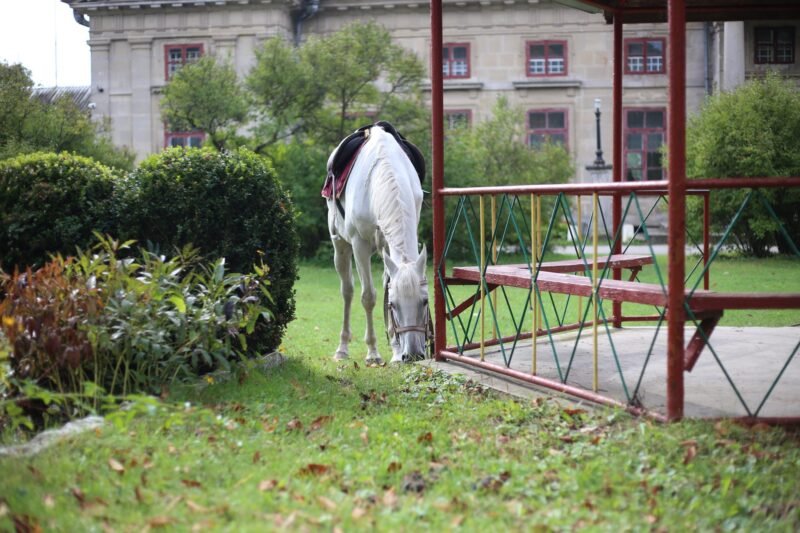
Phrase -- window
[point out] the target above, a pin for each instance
(177, 55)
(645, 132)
(546, 58)
(547, 125)
(191, 139)
(455, 60)
(644, 56)
(774, 45)
(457, 119)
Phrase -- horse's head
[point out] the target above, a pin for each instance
(407, 308)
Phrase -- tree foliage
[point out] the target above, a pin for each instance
(753, 131)
(206, 96)
(28, 124)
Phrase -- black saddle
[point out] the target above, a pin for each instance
(352, 142)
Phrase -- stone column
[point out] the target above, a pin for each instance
(101, 78)
(733, 55)
(141, 116)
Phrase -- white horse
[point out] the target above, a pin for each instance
(381, 208)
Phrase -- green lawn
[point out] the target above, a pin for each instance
(316, 444)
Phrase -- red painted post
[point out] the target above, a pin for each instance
(616, 205)
(437, 166)
(706, 237)
(676, 135)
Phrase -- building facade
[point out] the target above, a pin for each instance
(552, 61)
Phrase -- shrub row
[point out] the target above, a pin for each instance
(228, 205)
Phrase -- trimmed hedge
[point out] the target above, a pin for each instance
(51, 203)
(227, 204)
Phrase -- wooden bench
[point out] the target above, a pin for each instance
(706, 306)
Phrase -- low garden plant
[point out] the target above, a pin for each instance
(102, 324)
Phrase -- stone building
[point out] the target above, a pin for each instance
(551, 60)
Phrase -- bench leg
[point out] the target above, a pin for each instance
(698, 341)
(469, 302)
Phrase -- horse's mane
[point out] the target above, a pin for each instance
(393, 210)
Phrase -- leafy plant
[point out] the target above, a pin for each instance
(51, 203)
(753, 131)
(127, 325)
(226, 204)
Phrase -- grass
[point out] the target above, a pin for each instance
(316, 444)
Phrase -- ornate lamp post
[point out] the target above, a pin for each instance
(598, 161)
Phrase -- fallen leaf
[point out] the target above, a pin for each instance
(35, 472)
(358, 512)
(79, 495)
(319, 422)
(691, 453)
(327, 503)
(574, 412)
(390, 498)
(294, 424)
(196, 507)
(267, 484)
(116, 466)
(26, 524)
(651, 519)
(314, 469)
(394, 466)
(171, 449)
(414, 482)
(160, 521)
(205, 525)
(138, 492)
(191, 483)
(457, 520)
(49, 501)
(365, 437)
(425, 437)
(355, 365)
(256, 457)
(3, 509)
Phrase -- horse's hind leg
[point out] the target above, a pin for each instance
(342, 254)
(362, 251)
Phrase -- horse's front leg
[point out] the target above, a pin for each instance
(342, 254)
(362, 251)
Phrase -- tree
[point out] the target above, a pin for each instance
(753, 131)
(28, 124)
(206, 95)
(494, 152)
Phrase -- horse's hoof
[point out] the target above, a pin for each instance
(340, 356)
(375, 361)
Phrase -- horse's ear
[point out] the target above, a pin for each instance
(391, 266)
(422, 261)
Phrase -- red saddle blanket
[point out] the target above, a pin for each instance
(337, 182)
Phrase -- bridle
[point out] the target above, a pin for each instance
(425, 326)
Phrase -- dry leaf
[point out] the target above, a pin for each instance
(691, 453)
(327, 503)
(457, 520)
(573, 412)
(138, 492)
(171, 449)
(49, 501)
(358, 512)
(267, 484)
(3, 509)
(390, 498)
(191, 483)
(365, 437)
(425, 437)
(205, 525)
(26, 524)
(160, 521)
(394, 466)
(196, 507)
(79, 495)
(116, 466)
(294, 424)
(319, 422)
(256, 457)
(314, 469)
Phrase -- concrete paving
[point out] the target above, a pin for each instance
(752, 357)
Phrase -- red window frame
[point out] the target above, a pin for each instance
(547, 71)
(773, 45)
(187, 136)
(549, 129)
(644, 42)
(184, 49)
(450, 60)
(647, 153)
(450, 120)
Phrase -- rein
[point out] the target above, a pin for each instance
(389, 317)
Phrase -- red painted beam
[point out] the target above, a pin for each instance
(437, 168)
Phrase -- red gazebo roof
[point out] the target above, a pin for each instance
(638, 11)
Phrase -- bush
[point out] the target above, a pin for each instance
(126, 325)
(753, 131)
(50, 203)
(228, 205)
